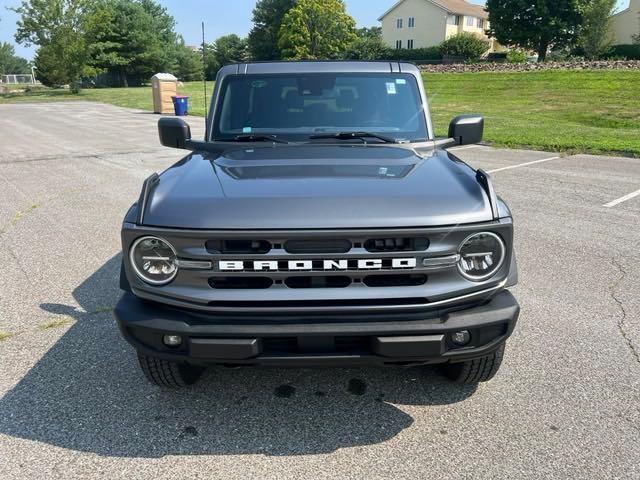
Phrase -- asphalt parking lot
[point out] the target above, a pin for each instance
(73, 404)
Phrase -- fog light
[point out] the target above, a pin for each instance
(461, 338)
(172, 340)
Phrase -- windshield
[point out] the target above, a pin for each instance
(295, 107)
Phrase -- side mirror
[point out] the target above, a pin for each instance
(174, 132)
(467, 129)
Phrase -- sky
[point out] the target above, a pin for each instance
(220, 16)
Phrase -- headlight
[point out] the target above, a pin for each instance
(154, 260)
(481, 256)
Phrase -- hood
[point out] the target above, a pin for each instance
(317, 187)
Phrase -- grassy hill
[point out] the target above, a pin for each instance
(571, 111)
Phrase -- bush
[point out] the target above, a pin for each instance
(516, 56)
(429, 54)
(497, 57)
(628, 52)
(465, 45)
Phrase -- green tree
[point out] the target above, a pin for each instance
(367, 46)
(267, 18)
(189, 64)
(466, 45)
(225, 50)
(316, 29)
(130, 37)
(595, 35)
(9, 62)
(57, 27)
(536, 24)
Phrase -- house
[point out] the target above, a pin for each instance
(427, 23)
(626, 24)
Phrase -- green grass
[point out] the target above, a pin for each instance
(568, 111)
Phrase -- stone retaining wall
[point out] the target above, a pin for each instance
(533, 67)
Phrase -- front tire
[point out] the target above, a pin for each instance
(166, 374)
(477, 370)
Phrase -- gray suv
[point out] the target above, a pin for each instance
(319, 223)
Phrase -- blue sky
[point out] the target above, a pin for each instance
(221, 17)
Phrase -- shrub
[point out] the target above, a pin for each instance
(629, 52)
(497, 57)
(516, 56)
(465, 45)
(429, 54)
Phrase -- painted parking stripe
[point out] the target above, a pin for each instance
(523, 164)
(622, 199)
(466, 147)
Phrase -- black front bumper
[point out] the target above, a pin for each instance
(313, 342)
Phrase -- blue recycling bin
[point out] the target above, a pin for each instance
(181, 105)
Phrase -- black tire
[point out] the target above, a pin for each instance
(169, 374)
(477, 370)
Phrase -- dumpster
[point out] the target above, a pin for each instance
(165, 87)
(180, 105)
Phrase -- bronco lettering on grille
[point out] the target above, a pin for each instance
(322, 265)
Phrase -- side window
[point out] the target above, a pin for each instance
(398, 44)
(481, 23)
(470, 21)
(410, 44)
(456, 20)
(412, 22)
(399, 23)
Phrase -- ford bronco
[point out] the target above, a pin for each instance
(319, 223)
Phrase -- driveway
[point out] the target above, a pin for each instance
(73, 404)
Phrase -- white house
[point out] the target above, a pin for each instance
(426, 23)
(626, 24)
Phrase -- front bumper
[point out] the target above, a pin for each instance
(312, 342)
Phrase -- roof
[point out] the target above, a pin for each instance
(455, 7)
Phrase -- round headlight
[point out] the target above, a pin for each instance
(481, 256)
(154, 260)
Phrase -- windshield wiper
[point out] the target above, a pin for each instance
(352, 136)
(253, 138)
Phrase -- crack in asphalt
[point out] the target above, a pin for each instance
(623, 317)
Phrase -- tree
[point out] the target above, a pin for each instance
(535, 24)
(57, 27)
(367, 46)
(131, 37)
(316, 29)
(189, 64)
(225, 50)
(595, 35)
(465, 45)
(9, 62)
(267, 18)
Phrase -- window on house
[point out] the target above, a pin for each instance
(471, 21)
(410, 44)
(456, 19)
(481, 23)
(412, 22)
(399, 23)
(398, 44)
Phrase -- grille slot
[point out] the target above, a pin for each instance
(238, 247)
(318, 282)
(409, 244)
(317, 246)
(395, 280)
(240, 283)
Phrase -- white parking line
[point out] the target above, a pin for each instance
(622, 199)
(466, 147)
(523, 164)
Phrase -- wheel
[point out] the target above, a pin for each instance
(477, 370)
(169, 374)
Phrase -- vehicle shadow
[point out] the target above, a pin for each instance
(87, 394)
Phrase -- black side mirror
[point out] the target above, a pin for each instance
(174, 132)
(467, 129)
